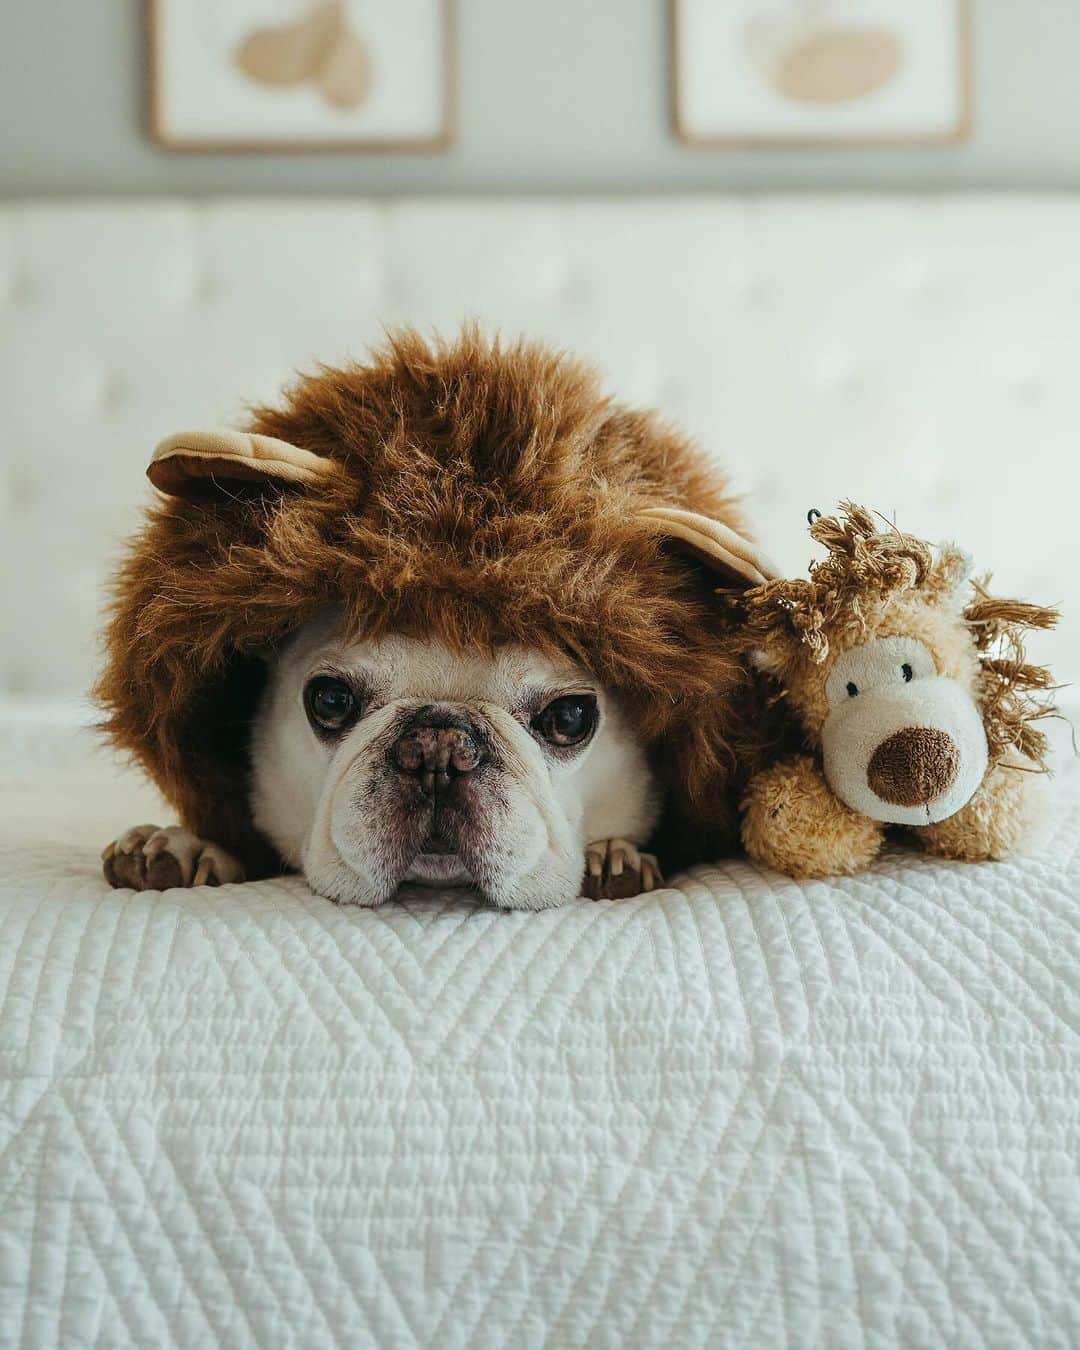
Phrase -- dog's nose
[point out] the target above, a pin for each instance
(437, 751)
(913, 766)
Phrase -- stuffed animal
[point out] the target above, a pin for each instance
(915, 704)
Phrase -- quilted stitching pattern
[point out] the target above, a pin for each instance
(739, 1112)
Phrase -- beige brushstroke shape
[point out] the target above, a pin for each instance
(319, 48)
(822, 63)
(345, 75)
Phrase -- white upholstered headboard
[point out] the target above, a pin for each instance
(921, 354)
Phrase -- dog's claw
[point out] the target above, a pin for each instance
(147, 858)
(615, 869)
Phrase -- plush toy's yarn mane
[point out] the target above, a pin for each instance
(865, 569)
(863, 565)
(1014, 692)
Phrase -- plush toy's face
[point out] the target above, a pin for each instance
(902, 739)
(381, 762)
(892, 706)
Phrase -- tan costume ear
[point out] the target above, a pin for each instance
(716, 545)
(199, 465)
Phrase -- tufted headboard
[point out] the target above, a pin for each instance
(921, 354)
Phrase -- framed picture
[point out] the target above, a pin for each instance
(300, 74)
(820, 72)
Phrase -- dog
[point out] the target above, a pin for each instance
(444, 618)
(398, 760)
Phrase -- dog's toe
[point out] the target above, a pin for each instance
(616, 869)
(216, 867)
(148, 858)
(132, 841)
(651, 876)
(164, 872)
(125, 870)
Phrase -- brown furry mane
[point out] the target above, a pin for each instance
(489, 495)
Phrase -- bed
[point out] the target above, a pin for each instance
(741, 1111)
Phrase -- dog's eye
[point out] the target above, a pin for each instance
(907, 672)
(852, 688)
(330, 703)
(568, 720)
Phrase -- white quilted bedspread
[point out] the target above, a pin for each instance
(739, 1112)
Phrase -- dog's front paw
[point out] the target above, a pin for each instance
(615, 869)
(147, 858)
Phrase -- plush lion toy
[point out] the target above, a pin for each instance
(915, 708)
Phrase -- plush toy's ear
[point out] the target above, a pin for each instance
(200, 465)
(947, 582)
(716, 545)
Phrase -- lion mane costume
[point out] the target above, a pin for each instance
(469, 491)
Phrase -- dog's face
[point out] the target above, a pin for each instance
(398, 760)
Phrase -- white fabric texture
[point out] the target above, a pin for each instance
(742, 1111)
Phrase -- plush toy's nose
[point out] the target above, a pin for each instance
(436, 748)
(913, 766)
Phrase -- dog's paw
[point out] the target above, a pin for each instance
(147, 858)
(615, 869)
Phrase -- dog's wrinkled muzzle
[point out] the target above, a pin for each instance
(435, 755)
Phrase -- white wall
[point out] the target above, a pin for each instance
(555, 95)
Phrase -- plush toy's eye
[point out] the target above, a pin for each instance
(329, 702)
(875, 667)
(568, 720)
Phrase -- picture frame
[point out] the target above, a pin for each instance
(815, 74)
(300, 75)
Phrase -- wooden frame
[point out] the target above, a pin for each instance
(959, 133)
(230, 145)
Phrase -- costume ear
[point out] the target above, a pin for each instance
(200, 465)
(716, 545)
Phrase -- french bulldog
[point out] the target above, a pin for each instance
(445, 617)
(381, 762)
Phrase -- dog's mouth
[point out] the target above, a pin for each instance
(437, 845)
(438, 863)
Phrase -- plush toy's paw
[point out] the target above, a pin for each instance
(1002, 818)
(615, 869)
(792, 821)
(147, 858)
